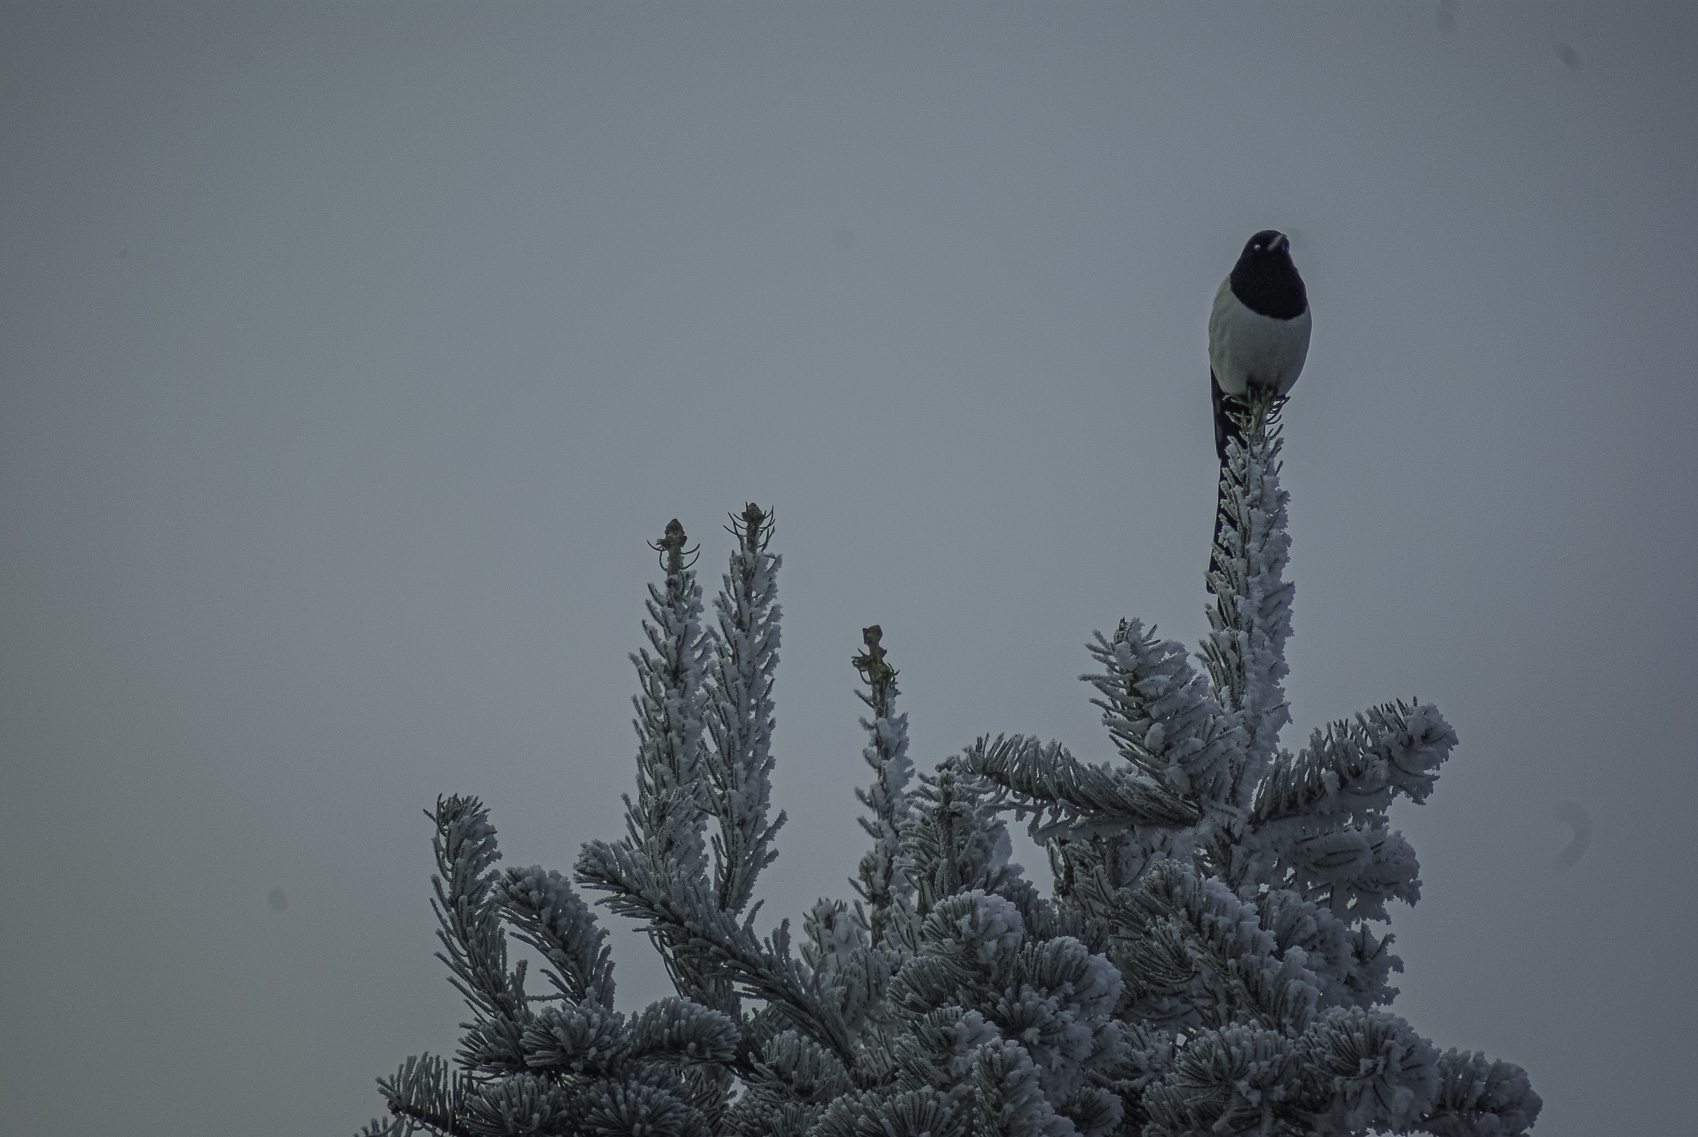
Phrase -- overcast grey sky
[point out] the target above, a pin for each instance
(350, 354)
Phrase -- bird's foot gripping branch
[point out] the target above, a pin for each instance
(1211, 960)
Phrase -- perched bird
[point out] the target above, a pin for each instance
(1258, 336)
(1258, 330)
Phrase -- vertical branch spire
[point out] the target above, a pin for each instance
(739, 711)
(665, 825)
(668, 815)
(1250, 619)
(880, 879)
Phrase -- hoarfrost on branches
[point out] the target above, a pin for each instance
(1208, 961)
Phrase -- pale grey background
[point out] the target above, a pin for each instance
(349, 355)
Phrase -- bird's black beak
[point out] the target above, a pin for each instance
(1281, 244)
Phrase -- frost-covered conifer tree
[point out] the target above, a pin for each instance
(1211, 959)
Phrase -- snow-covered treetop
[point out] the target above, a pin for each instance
(1212, 958)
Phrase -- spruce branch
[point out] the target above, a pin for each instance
(424, 1093)
(548, 915)
(739, 711)
(467, 903)
(1250, 619)
(665, 825)
(954, 841)
(1479, 1097)
(1071, 798)
(881, 879)
(680, 909)
(669, 813)
(1162, 716)
(1196, 956)
(1321, 815)
(1354, 768)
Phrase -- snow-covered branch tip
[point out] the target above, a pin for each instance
(739, 711)
(669, 814)
(882, 879)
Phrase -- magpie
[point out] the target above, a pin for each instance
(1258, 339)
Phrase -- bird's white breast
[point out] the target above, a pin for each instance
(1247, 348)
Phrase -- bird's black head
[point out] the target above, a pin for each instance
(1265, 280)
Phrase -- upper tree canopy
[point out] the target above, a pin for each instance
(1207, 963)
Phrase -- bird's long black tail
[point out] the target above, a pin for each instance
(1227, 429)
(1220, 520)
